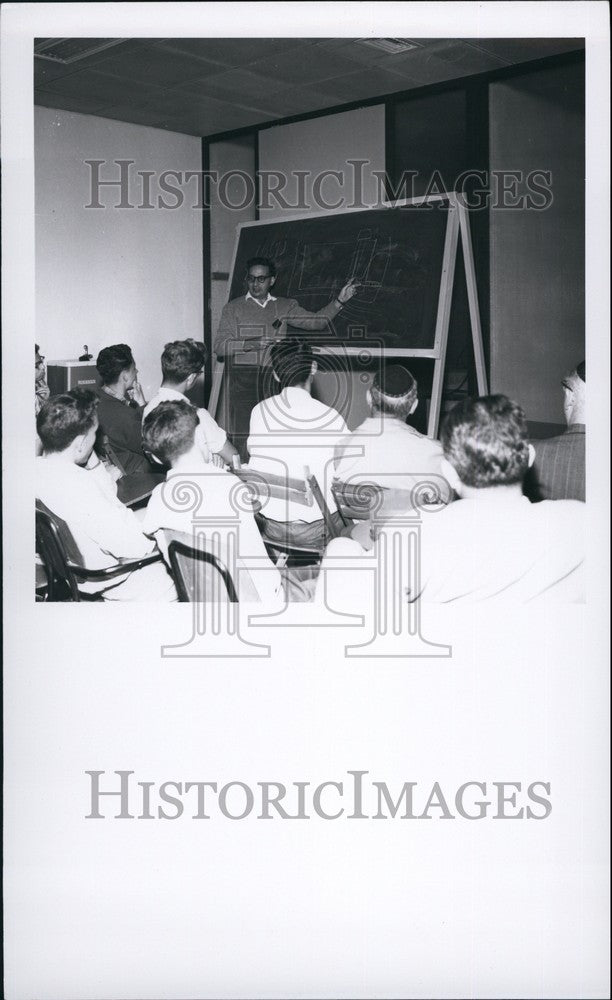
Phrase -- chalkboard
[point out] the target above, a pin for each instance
(396, 253)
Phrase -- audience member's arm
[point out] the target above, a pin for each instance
(113, 526)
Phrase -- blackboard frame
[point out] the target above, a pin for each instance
(457, 223)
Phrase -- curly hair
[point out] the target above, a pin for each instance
(168, 430)
(486, 441)
(292, 361)
(182, 358)
(62, 418)
(111, 361)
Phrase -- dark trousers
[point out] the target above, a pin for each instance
(246, 385)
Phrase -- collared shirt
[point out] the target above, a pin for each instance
(103, 529)
(215, 435)
(288, 432)
(387, 451)
(559, 466)
(218, 524)
(268, 298)
(504, 548)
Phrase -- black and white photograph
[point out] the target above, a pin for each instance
(312, 292)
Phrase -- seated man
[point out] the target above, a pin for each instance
(288, 432)
(41, 389)
(173, 433)
(384, 449)
(120, 408)
(492, 543)
(73, 484)
(559, 467)
(182, 362)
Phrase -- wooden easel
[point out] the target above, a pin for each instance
(458, 222)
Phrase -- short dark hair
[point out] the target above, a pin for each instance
(181, 358)
(486, 441)
(581, 371)
(111, 361)
(62, 418)
(292, 361)
(168, 430)
(262, 262)
(394, 391)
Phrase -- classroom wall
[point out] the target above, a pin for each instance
(111, 275)
(537, 257)
(320, 144)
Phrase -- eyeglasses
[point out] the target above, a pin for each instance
(258, 278)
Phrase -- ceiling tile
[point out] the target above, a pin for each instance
(240, 85)
(64, 102)
(98, 86)
(368, 82)
(234, 51)
(312, 66)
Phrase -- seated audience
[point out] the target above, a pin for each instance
(41, 389)
(182, 362)
(73, 484)
(559, 467)
(173, 433)
(288, 432)
(492, 543)
(384, 449)
(120, 408)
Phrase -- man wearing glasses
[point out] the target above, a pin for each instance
(249, 325)
(41, 389)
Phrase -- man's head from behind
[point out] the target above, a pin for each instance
(68, 423)
(485, 444)
(574, 395)
(116, 362)
(182, 362)
(293, 362)
(170, 431)
(394, 392)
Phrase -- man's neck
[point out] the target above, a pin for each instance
(188, 462)
(117, 391)
(59, 457)
(175, 386)
(493, 494)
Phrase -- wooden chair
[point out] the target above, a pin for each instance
(63, 563)
(306, 492)
(369, 501)
(199, 576)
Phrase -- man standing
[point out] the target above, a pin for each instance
(255, 321)
(560, 461)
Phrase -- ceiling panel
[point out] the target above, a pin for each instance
(203, 86)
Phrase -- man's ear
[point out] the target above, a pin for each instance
(273, 281)
(190, 380)
(414, 406)
(450, 474)
(313, 369)
(531, 455)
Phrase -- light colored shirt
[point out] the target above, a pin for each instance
(504, 549)
(387, 451)
(268, 298)
(217, 522)
(103, 529)
(215, 435)
(287, 433)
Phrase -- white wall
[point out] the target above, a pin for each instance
(320, 144)
(110, 275)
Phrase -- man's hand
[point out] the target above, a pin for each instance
(347, 291)
(137, 394)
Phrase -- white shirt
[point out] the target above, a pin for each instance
(103, 529)
(216, 518)
(287, 433)
(503, 549)
(215, 435)
(387, 451)
(268, 298)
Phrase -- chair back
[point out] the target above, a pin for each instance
(105, 451)
(305, 492)
(57, 549)
(199, 576)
